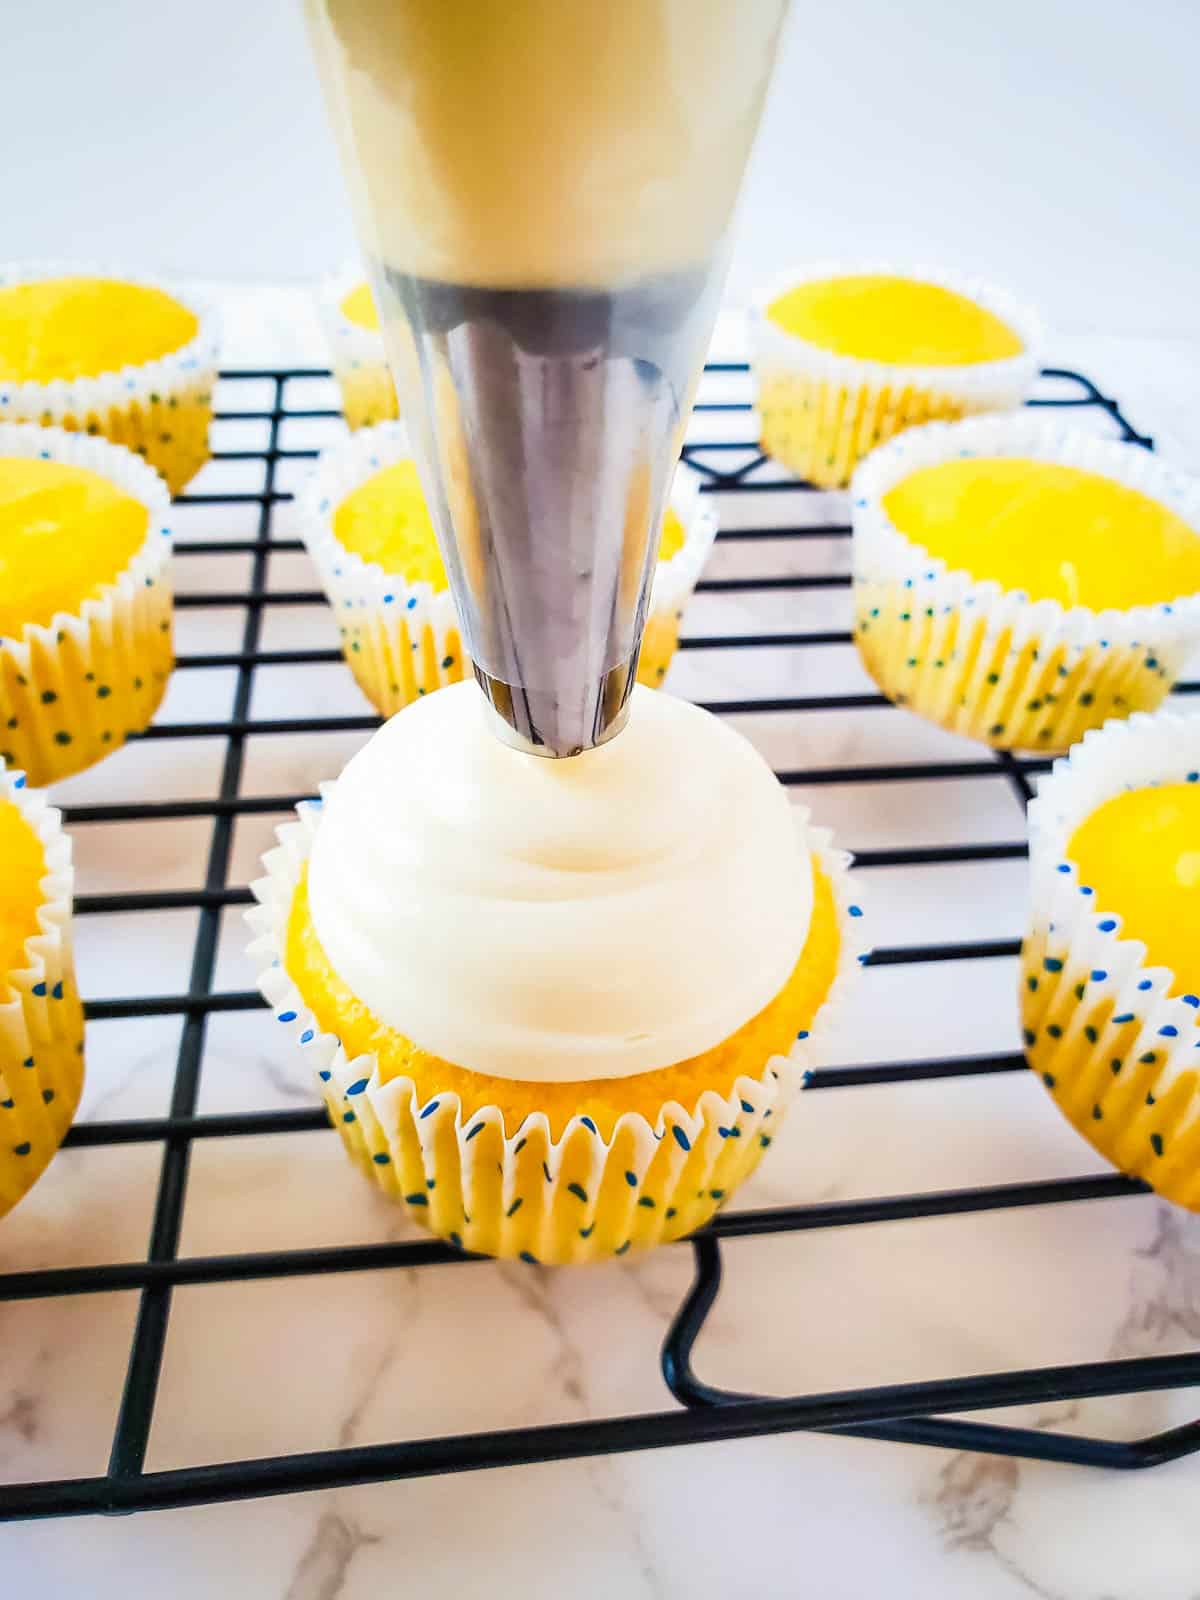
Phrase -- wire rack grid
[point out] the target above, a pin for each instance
(721, 447)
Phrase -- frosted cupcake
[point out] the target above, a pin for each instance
(351, 322)
(41, 1019)
(1110, 990)
(370, 535)
(98, 354)
(85, 601)
(1022, 582)
(554, 1006)
(846, 357)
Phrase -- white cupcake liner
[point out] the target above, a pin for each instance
(986, 661)
(41, 1020)
(132, 406)
(581, 1197)
(823, 412)
(72, 689)
(1119, 1053)
(357, 354)
(402, 639)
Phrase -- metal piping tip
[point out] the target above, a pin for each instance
(533, 722)
(548, 423)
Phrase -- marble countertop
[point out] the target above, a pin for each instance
(270, 1367)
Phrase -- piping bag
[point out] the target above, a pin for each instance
(543, 191)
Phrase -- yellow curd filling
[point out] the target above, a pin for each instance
(745, 1053)
(359, 307)
(1140, 853)
(1054, 532)
(65, 533)
(22, 868)
(874, 317)
(83, 327)
(386, 520)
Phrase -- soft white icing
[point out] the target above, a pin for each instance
(540, 144)
(555, 920)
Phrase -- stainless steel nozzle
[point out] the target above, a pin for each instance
(549, 431)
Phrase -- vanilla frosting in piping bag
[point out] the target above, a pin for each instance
(591, 918)
(544, 190)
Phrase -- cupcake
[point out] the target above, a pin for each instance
(41, 1019)
(351, 323)
(554, 1006)
(85, 599)
(1110, 982)
(1021, 582)
(98, 354)
(845, 358)
(370, 535)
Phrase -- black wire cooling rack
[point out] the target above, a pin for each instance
(910, 1412)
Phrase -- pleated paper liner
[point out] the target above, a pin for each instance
(160, 410)
(988, 662)
(821, 413)
(1113, 1039)
(72, 690)
(356, 354)
(520, 1193)
(401, 639)
(41, 1018)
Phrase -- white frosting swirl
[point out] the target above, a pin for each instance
(555, 920)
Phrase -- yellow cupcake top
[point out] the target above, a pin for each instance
(359, 307)
(65, 533)
(82, 327)
(1140, 853)
(22, 868)
(876, 317)
(386, 520)
(1054, 532)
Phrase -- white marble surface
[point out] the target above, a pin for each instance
(301, 1364)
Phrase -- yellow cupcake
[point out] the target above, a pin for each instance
(1110, 983)
(1020, 582)
(549, 1166)
(844, 358)
(85, 599)
(41, 1018)
(122, 358)
(367, 528)
(356, 350)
